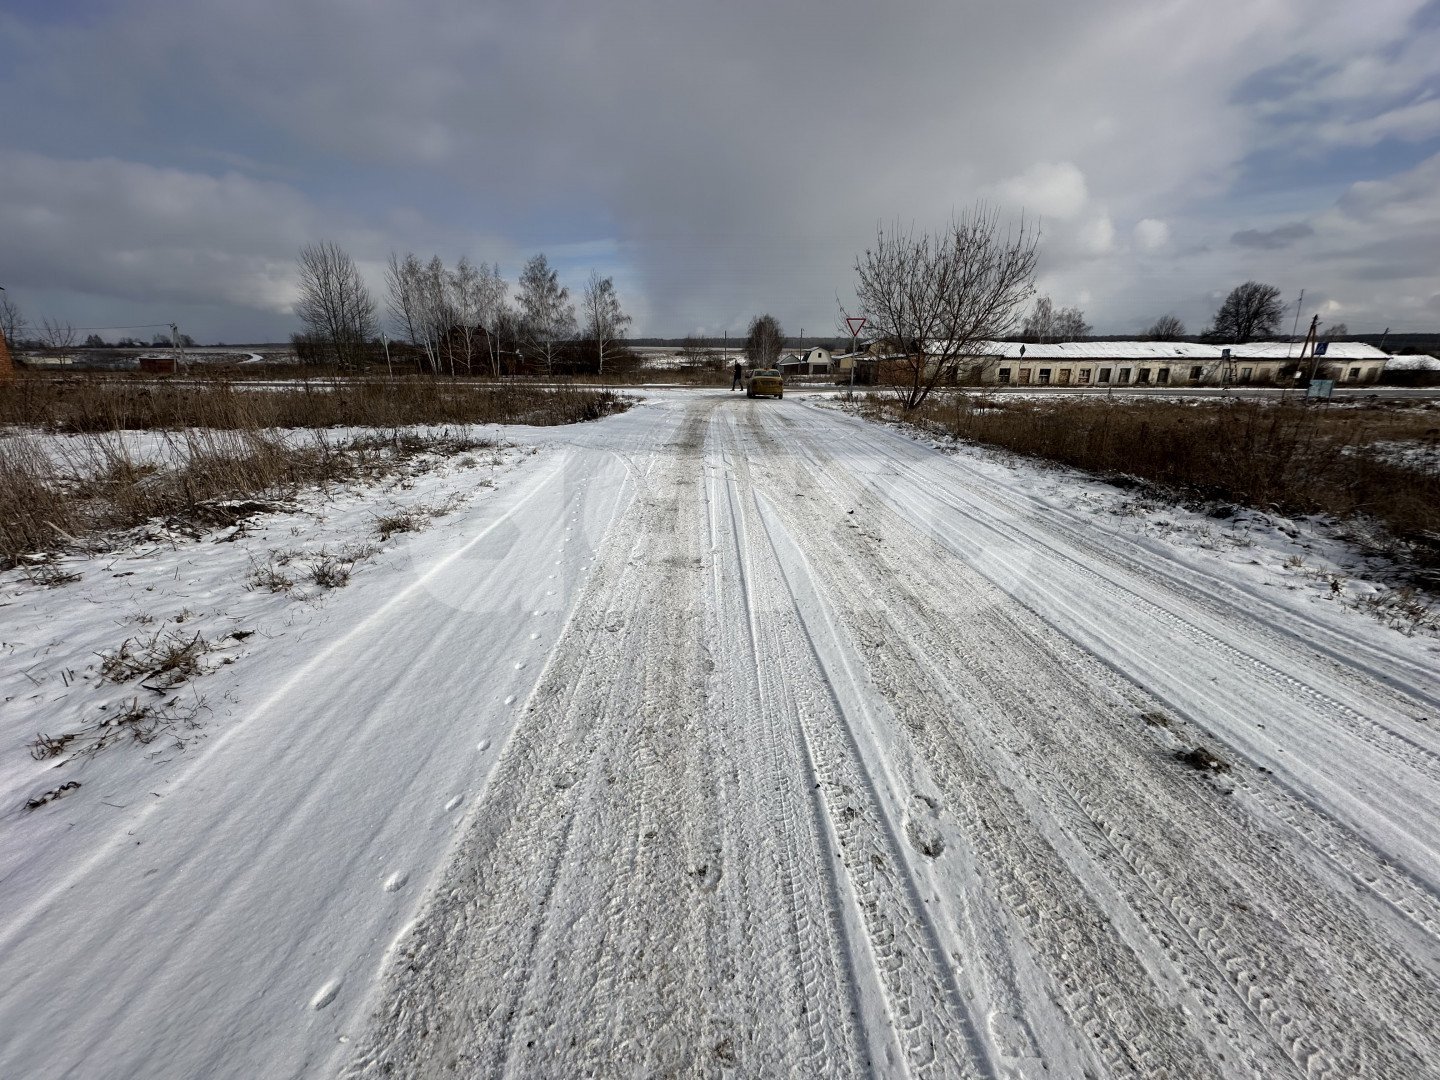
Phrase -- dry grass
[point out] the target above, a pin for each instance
(163, 662)
(222, 456)
(136, 404)
(127, 721)
(1288, 457)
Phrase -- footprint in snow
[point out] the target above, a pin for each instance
(922, 827)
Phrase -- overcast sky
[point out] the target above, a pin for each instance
(164, 160)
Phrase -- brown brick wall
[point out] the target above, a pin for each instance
(7, 366)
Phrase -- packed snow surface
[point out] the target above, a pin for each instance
(719, 737)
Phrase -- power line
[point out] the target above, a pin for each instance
(137, 326)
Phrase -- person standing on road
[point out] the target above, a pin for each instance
(735, 380)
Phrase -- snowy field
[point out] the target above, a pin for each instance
(720, 737)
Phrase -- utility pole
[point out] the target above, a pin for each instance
(1296, 326)
(179, 348)
(385, 341)
(1309, 344)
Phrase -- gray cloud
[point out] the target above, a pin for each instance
(718, 159)
(1272, 239)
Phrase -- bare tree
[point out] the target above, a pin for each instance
(55, 334)
(335, 305)
(546, 313)
(1070, 324)
(1166, 328)
(605, 320)
(1039, 324)
(466, 300)
(402, 278)
(493, 310)
(695, 353)
(1251, 310)
(938, 298)
(1336, 331)
(437, 314)
(1045, 323)
(763, 341)
(12, 322)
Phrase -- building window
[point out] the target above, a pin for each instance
(1123, 376)
(1163, 375)
(1104, 374)
(1245, 374)
(1064, 376)
(1024, 376)
(1195, 373)
(1354, 374)
(1004, 375)
(1084, 376)
(1142, 375)
(1044, 375)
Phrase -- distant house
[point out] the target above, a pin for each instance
(815, 361)
(7, 365)
(1168, 363)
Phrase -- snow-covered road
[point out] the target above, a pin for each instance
(749, 738)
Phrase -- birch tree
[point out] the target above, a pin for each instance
(763, 341)
(466, 301)
(1045, 323)
(546, 313)
(605, 320)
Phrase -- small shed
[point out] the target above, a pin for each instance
(157, 365)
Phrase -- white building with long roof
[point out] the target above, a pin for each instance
(1168, 363)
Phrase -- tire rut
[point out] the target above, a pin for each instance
(1280, 992)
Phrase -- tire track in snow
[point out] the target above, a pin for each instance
(978, 510)
(936, 1036)
(1370, 868)
(618, 904)
(1404, 686)
(1282, 991)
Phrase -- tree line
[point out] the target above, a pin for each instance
(456, 320)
